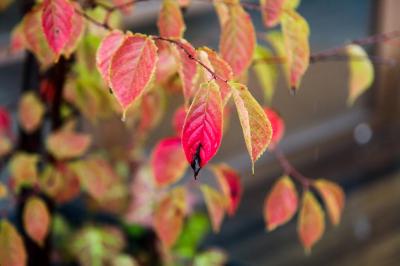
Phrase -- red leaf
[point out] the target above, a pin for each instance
(333, 197)
(229, 181)
(281, 203)
(277, 124)
(238, 40)
(36, 219)
(179, 120)
(78, 27)
(170, 20)
(66, 144)
(202, 131)
(105, 52)
(216, 204)
(168, 161)
(12, 249)
(57, 23)
(132, 67)
(5, 121)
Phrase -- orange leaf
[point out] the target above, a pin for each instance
(66, 144)
(216, 205)
(170, 20)
(12, 249)
(296, 33)
(229, 181)
(36, 219)
(23, 169)
(281, 203)
(168, 161)
(238, 39)
(311, 223)
(333, 197)
(257, 130)
(30, 112)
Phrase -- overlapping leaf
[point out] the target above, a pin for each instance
(170, 20)
(277, 124)
(271, 10)
(30, 112)
(67, 144)
(12, 249)
(78, 28)
(37, 219)
(216, 204)
(202, 131)
(257, 130)
(333, 197)
(179, 120)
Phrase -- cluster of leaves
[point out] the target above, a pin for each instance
(140, 71)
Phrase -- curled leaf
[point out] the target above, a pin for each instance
(12, 249)
(216, 205)
(30, 112)
(36, 219)
(333, 197)
(170, 20)
(66, 144)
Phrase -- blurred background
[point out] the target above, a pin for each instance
(357, 147)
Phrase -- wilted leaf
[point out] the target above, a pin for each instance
(67, 144)
(12, 249)
(229, 181)
(211, 257)
(281, 203)
(277, 124)
(23, 169)
(179, 120)
(361, 72)
(168, 161)
(202, 131)
(132, 67)
(216, 205)
(296, 33)
(30, 112)
(257, 130)
(36, 219)
(238, 40)
(170, 20)
(57, 21)
(333, 196)
(311, 223)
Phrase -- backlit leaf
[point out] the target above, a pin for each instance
(281, 203)
(170, 20)
(36, 219)
(178, 120)
(361, 72)
(23, 169)
(202, 131)
(257, 130)
(30, 112)
(333, 197)
(311, 223)
(132, 68)
(277, 124)
(67, 144)
(57, 21)
(216, 204)
(168, 161)
(12, 249)
(229, 181)
(78, 28)
(296, 34)
(238, 40)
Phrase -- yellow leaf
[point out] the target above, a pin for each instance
(23, 169)
(5, 145)
(12, 249)
(3, 191)
(334, 198)
(30, 112)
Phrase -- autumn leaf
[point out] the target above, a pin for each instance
(67, 144)
(170, 20)
(168, 161)
(169, 215)
(78, 27)
(23, 169)
(296, 34)
(272, 10)
(311, 223)
(334, 198)
(36, 219)
(277, 124)
(202, 131)
(178, 120)
(5, 122)
(30, 112)
(5, 145)
(222, 12)
(17, 39)
(132, 68)
(238, 39)
(281, 203)
(216, 204)
(12, 249)
(257, 130)
(230, 184)
(167, 64)
(3, 191)
(361, 72)
(152, 107)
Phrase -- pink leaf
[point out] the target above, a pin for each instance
(78, 27)
(170, 20)
(36, 219)
(179, 120)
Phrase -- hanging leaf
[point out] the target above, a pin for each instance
(168, 161)
(105, 52)
(169, 215)
(23, 169)
(216, 205)
(222, 11)
(78, 28)
(281, 203)
(170, 20)
(57, 23)
(272, 10)
(257, 130)
(67, 144)
(238, 40)
(296, 34)
(132, 68)
(202, 131)
(311, 223)
(179, 120)
(152, 107)
(4, 4)
(277, 124)
(361, 72)
(12, 249)
(30, 112)
(266, 72)
(334, 198)
(36, 219)
(167, 64)
(229, 181)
